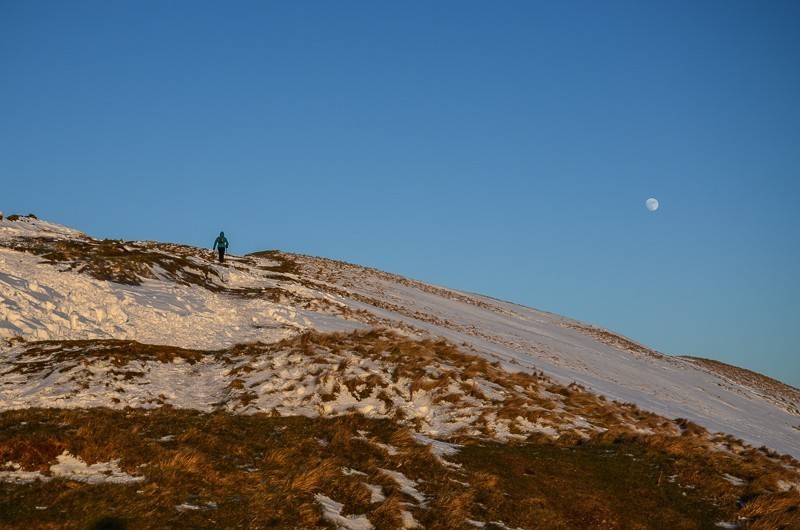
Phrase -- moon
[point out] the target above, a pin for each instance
(651, 204)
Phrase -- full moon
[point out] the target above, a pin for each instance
(651, 204)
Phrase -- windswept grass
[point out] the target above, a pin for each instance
(210, 470)
(232, 471)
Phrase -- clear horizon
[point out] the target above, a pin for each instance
(506, 150)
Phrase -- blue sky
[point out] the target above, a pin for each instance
(505, 148)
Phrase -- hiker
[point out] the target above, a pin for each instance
(220, 244)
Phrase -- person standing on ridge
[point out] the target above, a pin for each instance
(221, 244)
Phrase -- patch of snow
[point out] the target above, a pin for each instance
(407, 486)
(536, 427)
(438, 447)
(376, 493)
(16, 475)
(390, 449)
(332, 511)
(736, 481)
(408, 520)
(501, 524)
(187, 507)
(72, 468)
(30, 227)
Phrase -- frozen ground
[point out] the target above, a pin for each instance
(41, 300)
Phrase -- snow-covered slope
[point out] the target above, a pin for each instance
(58, 284)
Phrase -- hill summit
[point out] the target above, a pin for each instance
(148, 369)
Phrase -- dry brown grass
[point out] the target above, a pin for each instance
(319, 477)
(35, 454)
(256, 468)
(39, 356)
(184, 461)
(780, 510)
(265, 472)
(387, 515)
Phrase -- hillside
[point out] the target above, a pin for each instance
(397, 385)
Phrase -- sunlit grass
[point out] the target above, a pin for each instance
(231, 471)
